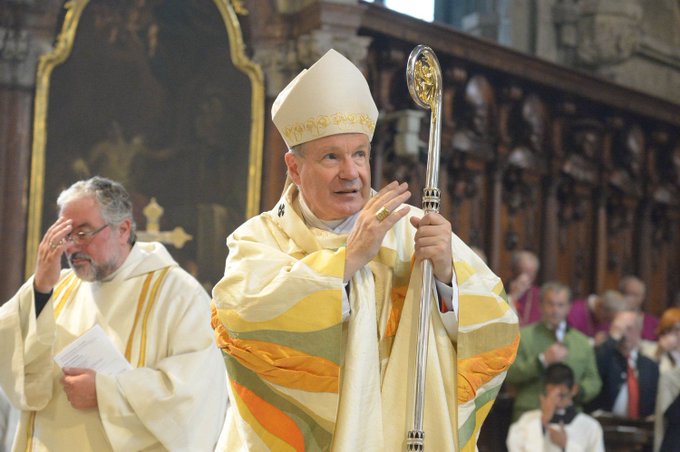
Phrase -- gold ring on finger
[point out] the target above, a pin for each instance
(383, 213)
(52, 244)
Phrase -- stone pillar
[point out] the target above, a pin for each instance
(26, 31)
(609, 31)
(566, 16)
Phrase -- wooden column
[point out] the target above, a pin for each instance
(29, 31)
(643, 246)
(600, 240)
(494, 212)
(549, 239)
(15, 145)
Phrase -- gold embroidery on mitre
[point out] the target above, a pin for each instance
(315, 127)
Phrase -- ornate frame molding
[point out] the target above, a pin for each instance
(60, 53)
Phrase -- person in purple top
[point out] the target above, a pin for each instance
(593, 315)
(523, 293)
(635, 290)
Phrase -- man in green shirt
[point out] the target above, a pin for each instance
(551, 341)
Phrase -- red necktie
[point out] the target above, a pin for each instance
(633, 391)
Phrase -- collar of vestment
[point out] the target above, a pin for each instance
(286, 214)
(144, 257)
(341, 226)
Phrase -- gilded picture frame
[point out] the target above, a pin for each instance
(194, 156)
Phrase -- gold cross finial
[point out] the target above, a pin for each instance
(153, 212)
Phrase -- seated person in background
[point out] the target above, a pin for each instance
(172, 396)
(668, 345)
(523, 294)
(556, 426)
(593, 315)
(635, 290)
(624, 370)
(667, 415)
(547, 342)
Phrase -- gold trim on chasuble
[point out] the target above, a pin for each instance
(65, 293)
(149, 304)
(60, 53)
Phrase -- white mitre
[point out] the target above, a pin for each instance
(329, 98)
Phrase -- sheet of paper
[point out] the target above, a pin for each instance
(93, 350)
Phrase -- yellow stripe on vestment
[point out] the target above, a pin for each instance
(152, 300)
(491, 335)
(138, 312)
(29, 431)
(476, 309)
(304, 316)
(67, 280)
(245, 400)
(480, 415)
(327, 263)
(68, 287)
(463, 271)
(285, 366)
(500, 290)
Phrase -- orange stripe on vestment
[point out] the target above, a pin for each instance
(278, 364)
(398, 296)
(478, 370)
(270, 420)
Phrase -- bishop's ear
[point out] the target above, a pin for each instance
(293, 164)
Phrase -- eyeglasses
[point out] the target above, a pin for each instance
(84, 237)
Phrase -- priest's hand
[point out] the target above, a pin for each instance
(80, 387)
(52, 246)
(433, 242)
(376, 218)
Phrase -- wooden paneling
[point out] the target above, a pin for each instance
(535, 156)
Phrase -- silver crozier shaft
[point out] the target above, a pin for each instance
(424, 79)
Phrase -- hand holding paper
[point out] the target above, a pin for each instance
(80, 361)
(80, 387)
(93, 350)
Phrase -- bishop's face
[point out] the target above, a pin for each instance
(333, 174)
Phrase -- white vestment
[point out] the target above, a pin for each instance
(584, 434)
(158, 316)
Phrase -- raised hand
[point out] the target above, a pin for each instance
(363, 242)
(556, 353)
(48, 264)
(558, 435)
(433, 242)
(548, 405)
(519, 286)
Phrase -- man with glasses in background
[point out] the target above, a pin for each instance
(172, 393)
